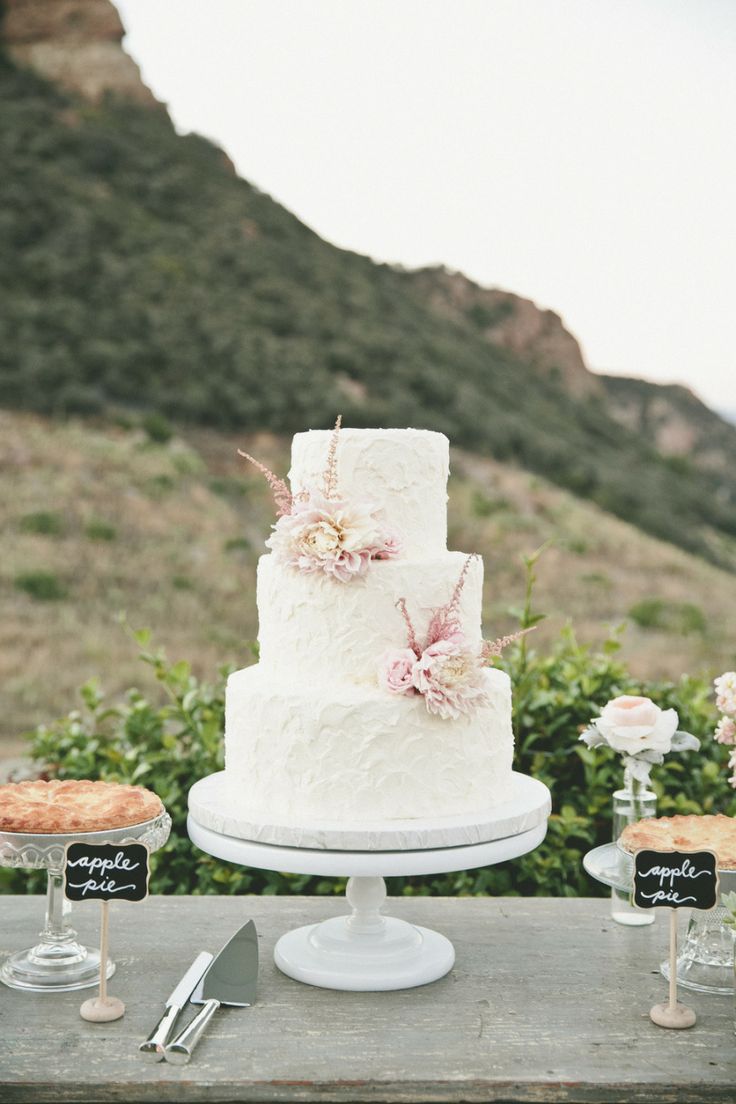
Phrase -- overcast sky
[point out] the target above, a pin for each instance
(578, 152)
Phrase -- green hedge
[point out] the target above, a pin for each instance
(169, 746)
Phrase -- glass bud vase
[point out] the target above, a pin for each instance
(630, 804)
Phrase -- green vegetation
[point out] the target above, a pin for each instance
(44, 586)
(167, 747)
(143, 280)
(657, 613)
(42, 522)
(157, 427)
(100, 530)
(237, 544)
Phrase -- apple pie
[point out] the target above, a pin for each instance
(685, 833)
(74, 805)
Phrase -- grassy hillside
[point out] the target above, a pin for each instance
(141, 274)
(99, 519)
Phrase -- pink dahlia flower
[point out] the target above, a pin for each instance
(333, 536)
(395, 670)
(450, 676)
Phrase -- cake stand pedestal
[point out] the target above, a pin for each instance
(59, 962)
(705, 962)
(366, 950)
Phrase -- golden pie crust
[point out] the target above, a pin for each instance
(74, 805)
(685, 833)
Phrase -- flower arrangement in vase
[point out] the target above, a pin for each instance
(642, 734)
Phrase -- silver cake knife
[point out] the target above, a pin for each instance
(157, 1040)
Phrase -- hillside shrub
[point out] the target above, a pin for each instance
(43, 522)
(98, 530)
(658, 613)
(43, 586)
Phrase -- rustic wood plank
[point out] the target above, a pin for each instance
(548, 1001)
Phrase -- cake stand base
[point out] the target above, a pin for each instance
(366, 951)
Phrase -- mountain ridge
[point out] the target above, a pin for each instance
(144, 276)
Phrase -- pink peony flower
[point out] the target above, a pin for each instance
(449, 675)
(333, 536)
(395, 670)
(725, 732)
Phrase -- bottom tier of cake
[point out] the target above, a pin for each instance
(355, 754)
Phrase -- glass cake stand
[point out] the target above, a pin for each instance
(59, 962)
(705, 962)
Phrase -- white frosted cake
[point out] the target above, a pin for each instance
(340, 720)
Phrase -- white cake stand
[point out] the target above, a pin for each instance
(366, 950)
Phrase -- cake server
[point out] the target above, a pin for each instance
(156, 1041)
(230, 979)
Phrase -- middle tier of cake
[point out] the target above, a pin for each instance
(311, 623)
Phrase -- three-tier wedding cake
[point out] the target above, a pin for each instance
(372, 699)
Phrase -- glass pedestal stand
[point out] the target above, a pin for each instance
(706, 961)
(59, 962)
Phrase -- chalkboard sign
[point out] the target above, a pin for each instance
(106, 871)
(675, 879)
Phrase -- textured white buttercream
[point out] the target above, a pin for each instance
(342, 752)
(311, 623)
(404, 471)
(309, 734)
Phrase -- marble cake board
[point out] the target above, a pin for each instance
(365, 950)
(214, 804)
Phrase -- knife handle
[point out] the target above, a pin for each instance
(180, 1051)
(156, 1041)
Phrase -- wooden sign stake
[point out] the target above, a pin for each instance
(105, 872)
(102, 1009)
(674, 879)
(671, 1013)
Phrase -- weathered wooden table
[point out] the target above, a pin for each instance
(548, 1001)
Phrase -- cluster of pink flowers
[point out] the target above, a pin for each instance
(446, 670)
(333, 536)
(317, 531)
(448, 673)
(725, 732)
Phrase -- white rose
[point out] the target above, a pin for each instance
(632, 724)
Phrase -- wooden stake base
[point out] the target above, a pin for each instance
(102, 1009)
(678, 1017)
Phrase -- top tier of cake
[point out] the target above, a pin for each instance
(404, 471)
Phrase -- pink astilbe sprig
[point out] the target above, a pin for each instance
(492, 648)
(330, 480)
(281, 494)
(411, 636)
(445, 622)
